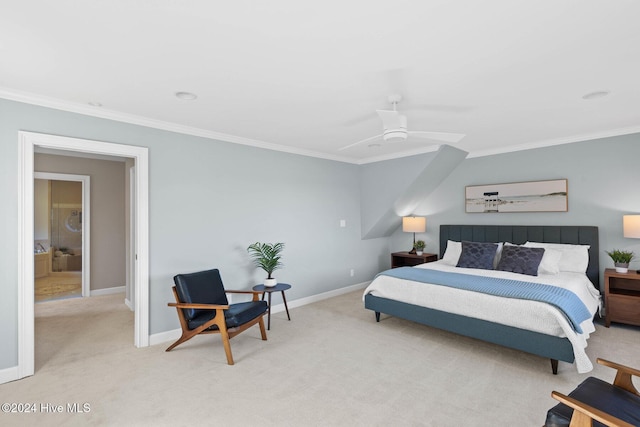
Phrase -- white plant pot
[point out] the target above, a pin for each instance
(418, 252)
(270, 283)
(622, 268)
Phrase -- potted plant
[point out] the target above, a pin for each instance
(419, 247)
(267, 257)
(621, 259)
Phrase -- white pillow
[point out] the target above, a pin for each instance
(496, 260)
(452, 254)
(550, 263)
(575, 258)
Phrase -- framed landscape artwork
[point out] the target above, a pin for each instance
(532, 196)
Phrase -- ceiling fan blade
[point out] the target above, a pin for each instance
(438, 108)
(438, 136)
(390, 119)
(360, 142)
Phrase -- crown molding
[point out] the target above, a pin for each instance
(556, 141)
(408, 153)
(100, 112)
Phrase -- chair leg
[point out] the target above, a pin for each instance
(262, 330)
(227, 345)
(183, 338)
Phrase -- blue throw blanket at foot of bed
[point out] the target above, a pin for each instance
(566, 301)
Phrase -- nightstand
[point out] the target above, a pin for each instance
(405, 259)
(621, 297)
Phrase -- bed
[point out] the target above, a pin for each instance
(557, 343)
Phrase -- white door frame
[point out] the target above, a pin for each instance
(86, 220)
(27, 143)
(131, 265)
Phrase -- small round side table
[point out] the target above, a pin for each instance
(280, 287)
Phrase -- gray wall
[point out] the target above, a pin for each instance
(107, 213)
(208, 201)
(603, 177)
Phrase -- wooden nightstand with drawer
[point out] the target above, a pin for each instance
(621, 297)
(405, 259)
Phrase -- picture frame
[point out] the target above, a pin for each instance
(527, 196)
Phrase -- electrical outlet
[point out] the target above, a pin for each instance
(343, 223)
(352, 272)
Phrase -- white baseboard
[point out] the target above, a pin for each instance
(8, 374)
(163, 337)
(129, 304)
(319, 297)
(107, 291)
(174, 334)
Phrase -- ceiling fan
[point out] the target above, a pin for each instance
(394, 127)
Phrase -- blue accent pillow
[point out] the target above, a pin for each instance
(477, 255)
(520, 259)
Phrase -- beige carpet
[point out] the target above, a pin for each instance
(331, 365)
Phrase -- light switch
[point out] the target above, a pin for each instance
(343, 223)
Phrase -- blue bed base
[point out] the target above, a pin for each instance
(554, 348)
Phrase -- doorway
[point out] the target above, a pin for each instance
(28, 141)
(61, 235)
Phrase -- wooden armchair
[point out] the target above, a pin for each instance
(596, 403)
(203, 308)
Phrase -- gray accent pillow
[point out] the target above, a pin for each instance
(520, 259)
(477, 255)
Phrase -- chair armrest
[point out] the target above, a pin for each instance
(254, 293)
(198, 306)
(623, 376)
(583, 414)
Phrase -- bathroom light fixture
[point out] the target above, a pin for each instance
(414, 224)
(187, 96)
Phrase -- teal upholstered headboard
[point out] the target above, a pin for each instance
(518, 234)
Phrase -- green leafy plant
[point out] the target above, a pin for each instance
(620, 257)
(266, 256)
(419, 245)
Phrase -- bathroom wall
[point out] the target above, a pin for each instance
(108, 249)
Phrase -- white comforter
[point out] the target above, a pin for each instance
(524, 314)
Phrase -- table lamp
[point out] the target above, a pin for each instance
(631, 227)
(414, 224)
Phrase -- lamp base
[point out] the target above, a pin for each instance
(413, 251)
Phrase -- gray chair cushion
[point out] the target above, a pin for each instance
(203, 287)
(237, 314)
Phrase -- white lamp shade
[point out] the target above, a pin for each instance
(414, 224)
(631, 226)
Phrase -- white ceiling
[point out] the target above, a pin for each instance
(307, 77)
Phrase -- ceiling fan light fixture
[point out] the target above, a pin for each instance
(395, 130)
(395, 135)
